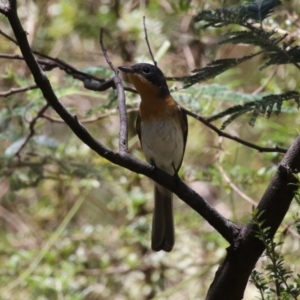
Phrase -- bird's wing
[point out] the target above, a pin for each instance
(138, 127)
(184, 127)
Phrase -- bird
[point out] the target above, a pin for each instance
(162, 129)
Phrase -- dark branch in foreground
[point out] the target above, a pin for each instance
(233, 274)
(226, 228)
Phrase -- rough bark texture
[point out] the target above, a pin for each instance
(233, 274)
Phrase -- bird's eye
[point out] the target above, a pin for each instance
(146, 70)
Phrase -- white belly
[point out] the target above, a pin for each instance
(163, 144)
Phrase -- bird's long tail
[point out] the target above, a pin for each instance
(163, 236)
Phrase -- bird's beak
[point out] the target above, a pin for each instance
(126, 69)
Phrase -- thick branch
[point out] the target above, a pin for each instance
(233, 274)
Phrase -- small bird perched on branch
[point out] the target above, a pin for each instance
(162, 129)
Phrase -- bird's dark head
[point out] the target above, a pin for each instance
(147, 78)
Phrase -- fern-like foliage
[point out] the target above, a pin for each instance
(256, 10)
(271, 42)
(263, 106)
(275, 281)
(258, 37)
(273, 45)
(211, 70)
(245, 15)
(291, 55)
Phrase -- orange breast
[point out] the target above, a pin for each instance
(152, 108)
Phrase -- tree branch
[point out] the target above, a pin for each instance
(123, 135)
(232, 276)
(31, 129)
(52, 62)
(90, 82)
(89, 120)
(17, 90)
(46, 64)
(250, 200)
(226, 228)
(231, 137)
(147, 41)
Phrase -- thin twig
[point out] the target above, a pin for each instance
(17, 90)
(231, 137)
(89, 120)
(147, 41)
(234, 187)
(123, 136)
(50, 63)
(57, 62)
(31, 129)
(250, 200)
(261, 88)
(47, 65)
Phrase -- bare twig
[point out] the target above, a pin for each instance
(89, 120)
(261, 87)
(31, 129)
(47, 65)
(147, 41)
(8, 37)
(231, 137)
(123, 136)
(50, 63)
(249, 199)
(17, 90)
(234, 187)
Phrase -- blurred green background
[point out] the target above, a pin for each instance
(74, 226)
